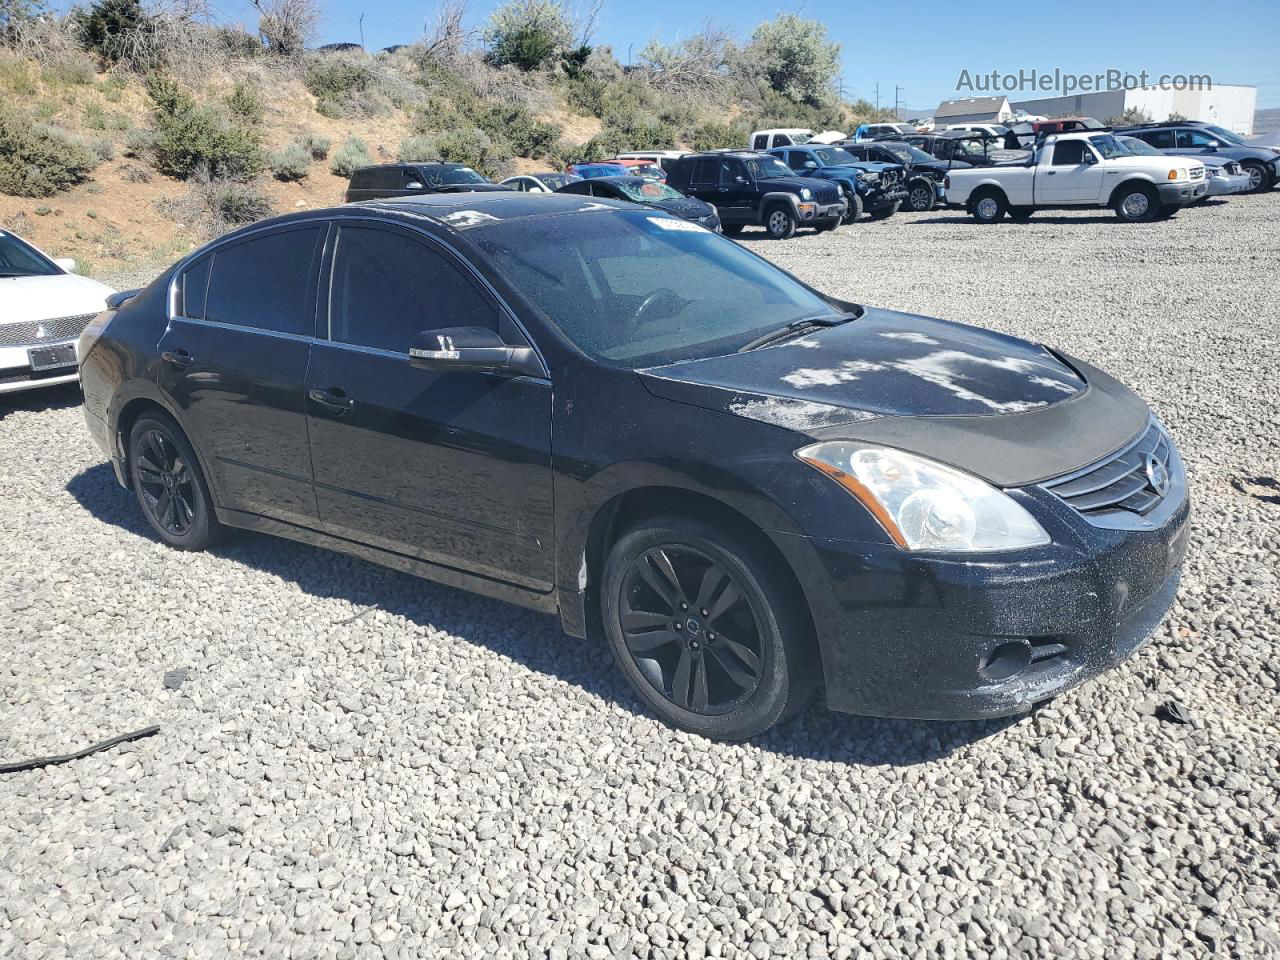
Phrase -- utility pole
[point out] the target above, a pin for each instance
(896, 90)
(877, 94)
(361, 31)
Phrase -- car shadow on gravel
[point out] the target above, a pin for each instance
(40, 399)
(532, 639)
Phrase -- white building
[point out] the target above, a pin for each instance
(973, 110)
(1226, 104)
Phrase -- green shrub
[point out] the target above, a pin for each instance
(189, 137)
(71, 69)
(528, 34)
(138, 142)
(418, 148)
(107, 26)
(349, 157)
(237, 42)
(291, 162)
(794, 57)
(315, 145)
(245, 104)
(331, 109)
(332, 78)
(517, 127)
(236, 203)
(717, 136)
(39, 161)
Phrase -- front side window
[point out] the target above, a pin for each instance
(17, 259)
(1195, 138)
(761, 142)
(834, 156)
(263, 282)
(1069, 153)
(782, 140)
(450, 176)
(638, 288)
(387, 286)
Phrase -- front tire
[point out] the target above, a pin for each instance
(884, 213)
(1137, 204)
(170, 485)
(780, 223)
(704, 631)
(1259, 178)
(853, 208)
(920, 196)
(731, 229)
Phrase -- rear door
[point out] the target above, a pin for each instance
(449, 467)
(234, 357)
(736, 191)
(1073, 174)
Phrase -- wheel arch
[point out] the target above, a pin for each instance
(126, 414)
(630, 507)
(987, 188)
(1129, 183)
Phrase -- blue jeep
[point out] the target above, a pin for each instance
(877, 188)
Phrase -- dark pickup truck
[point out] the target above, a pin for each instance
(755, 189)
(414, 180)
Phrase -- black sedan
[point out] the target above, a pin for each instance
(651, 193)
(750, 489)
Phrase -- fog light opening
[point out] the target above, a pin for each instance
(1007, 660)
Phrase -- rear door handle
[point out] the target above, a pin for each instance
(179, 358)
(334, 400)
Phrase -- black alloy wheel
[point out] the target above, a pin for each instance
(706, 637)
(920, 196)
(169, 485)
(690, 629)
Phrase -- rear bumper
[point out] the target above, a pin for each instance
(929, 638)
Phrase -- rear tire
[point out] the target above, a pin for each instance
(1137, 204)
(170, 485)
(920, 196)
(728, 673)
(989, 206)
(780, 222)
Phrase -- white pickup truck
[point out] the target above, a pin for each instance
(1070, 170)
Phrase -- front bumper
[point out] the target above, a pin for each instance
(1180, 194)
(880, 197)
(811, 212)
(918, 636)
(16, 373)
(1227, 184)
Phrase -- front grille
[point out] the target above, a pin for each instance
(1122, 483)
(1197, 173)
(826, 193)
(35, 332)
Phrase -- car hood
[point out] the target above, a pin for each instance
(468, 188)
(50, 297)
(793, 184)
(1147, 163)
(969, 397)
(690, 208)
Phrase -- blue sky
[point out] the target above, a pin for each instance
(922, 46)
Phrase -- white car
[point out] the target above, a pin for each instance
(762, 140)
(43, 308)
(539, 182)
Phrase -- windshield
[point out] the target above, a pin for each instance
(449, 176)
(19, 260)
(908, 154)
(555, 181)
(834, 156)
(764, 166)
(1109, 147)
(1223, 134)
(638, 289)
(1139, 148)
(650, 192)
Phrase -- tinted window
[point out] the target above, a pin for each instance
(705, 172)
(264, 282)
(192, 289)
(19, 260)
(1160, 139)
(795, 159)
(388, 286)
(761, 142)
(730, 172)
(782, 140)
(1195, 138)
(1068, 153)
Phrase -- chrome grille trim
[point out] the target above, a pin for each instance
(33, 333)
(1118, 485)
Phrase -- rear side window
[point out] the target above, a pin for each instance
(781, 140)
(192, 287)
(264, 282)
(1068, 153)
(1160, 139)
(388, 286)
(761, 142)
(362, 180)
(706, 172)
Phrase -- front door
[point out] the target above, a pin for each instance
(1073, 175)
(452, 468)
(233, 360)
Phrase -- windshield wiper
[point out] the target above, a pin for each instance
(796, 327)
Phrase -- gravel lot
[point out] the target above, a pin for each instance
(446, 776)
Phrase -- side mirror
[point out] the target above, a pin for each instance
(1089, 158)
(1213, 144)
(741, 179)
(413, 185)
(811, 165)
(66, 263)
(458, 349)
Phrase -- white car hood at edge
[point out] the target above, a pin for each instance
(47, 298)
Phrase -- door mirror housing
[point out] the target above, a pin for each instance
(459, 349)
(413, 185)
(66, 263)
(1089, 158)
(811, 164)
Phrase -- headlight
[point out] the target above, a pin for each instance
(924, 505)
(871, 177)
(806, 193)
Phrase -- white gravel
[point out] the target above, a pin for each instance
(451, 777)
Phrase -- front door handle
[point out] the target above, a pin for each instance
(179, 358)
(334, 400)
